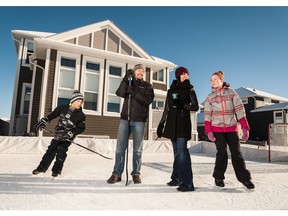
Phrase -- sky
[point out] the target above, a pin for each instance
(248, 43)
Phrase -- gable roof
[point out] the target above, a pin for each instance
(46, 40)
(245, 92)
(278, 106)
(84, 30)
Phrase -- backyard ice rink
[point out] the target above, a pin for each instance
(82, 185)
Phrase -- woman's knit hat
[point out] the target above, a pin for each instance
(77, 95)
(180, 70)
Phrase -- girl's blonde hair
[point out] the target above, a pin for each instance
(220, 74)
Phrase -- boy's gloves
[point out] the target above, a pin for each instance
(41, 124)
(245, 135)
(211, 136)
(67, 136)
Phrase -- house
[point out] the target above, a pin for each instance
(276, 113)
(93, 59)
(4, 126)
(256, 105)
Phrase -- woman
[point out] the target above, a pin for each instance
(181, 99)
(221, 105)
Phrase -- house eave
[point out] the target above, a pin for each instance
(42, 44)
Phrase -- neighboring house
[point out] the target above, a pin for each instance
(276, 113)
(93, 59)
(255, 102)
(4, 126)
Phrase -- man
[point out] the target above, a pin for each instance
(138, 96)
(71, 123)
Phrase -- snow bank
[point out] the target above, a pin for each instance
(37, 145)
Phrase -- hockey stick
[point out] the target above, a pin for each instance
(129, 115)
(51, 132)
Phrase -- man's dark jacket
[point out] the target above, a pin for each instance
(141, 98)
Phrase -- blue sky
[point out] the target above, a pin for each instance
(250, 44)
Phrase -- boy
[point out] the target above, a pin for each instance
(71, 123)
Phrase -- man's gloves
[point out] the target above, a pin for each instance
(245, 135)
(128, 75)
(41, 124)
(160, 129)
(211, 136)
(130, 90)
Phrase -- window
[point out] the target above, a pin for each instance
(278, 117)
(28, 51)
(25, 100)
(113, 104)
(267, 101)
(244, 100)
(158, 104)
(159, 75)
(66, 80)
(91, 86)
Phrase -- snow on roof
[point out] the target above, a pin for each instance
(278, 106)
(5, 119)
(245, 92)
(33, 33)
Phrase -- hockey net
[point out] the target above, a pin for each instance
(278, 139)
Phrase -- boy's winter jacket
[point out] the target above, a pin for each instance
(70, 119)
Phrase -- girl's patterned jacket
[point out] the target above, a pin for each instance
(221, 105)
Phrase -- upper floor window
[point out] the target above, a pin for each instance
(91, 86)
(159, 75)
(66, 80)
(28, 51)
(267, 101)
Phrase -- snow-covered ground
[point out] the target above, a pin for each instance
(82, 185)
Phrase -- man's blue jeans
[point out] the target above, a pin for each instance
(182, 170)
(137, 131)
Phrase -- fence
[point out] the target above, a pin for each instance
(277, 136)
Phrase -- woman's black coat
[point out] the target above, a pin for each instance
(176, 115)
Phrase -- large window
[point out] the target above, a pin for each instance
(113, 102)
(66, 82)
(91, 86)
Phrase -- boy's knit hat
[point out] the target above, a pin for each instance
(77, 95)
